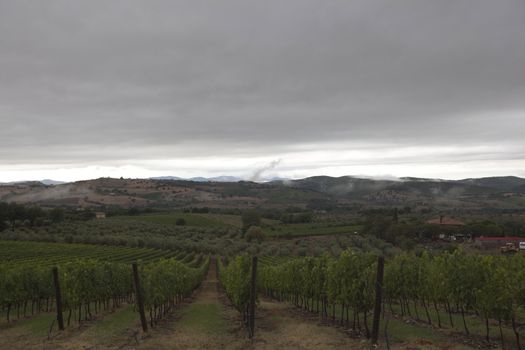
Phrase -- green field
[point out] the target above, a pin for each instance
(48, 254)
(205, 316)
(195, 219)
(273, 260)
(272, 228)
(170, 219)
(309, 229)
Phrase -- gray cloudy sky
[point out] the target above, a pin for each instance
(188, 88)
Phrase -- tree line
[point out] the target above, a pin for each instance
(32, 215)
(15, 214)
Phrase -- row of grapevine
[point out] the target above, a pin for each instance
(52, 254)
(235, 279)
(165, 283)
(22, 285)
(90, 285)
(273, 260)
(325, 285)
(489, 287)
(86, 284)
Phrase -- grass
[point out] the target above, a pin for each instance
(475, 324)
(13, 253)
(170, 219)
(236, 220)
(273, 260)
(203, 316)
(114, 323)
(40, 324)
(102, 330)
(35, 325)
(230, 220)
(400, 331)
(309, 229)
(272, 228)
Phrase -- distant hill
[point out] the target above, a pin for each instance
(346, 185)
(47, 182)
(338, 186)
(171, 178)
(503, 183)
(318, 192)
(200, 179)
(52, 182)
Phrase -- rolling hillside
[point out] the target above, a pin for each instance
(320, 192)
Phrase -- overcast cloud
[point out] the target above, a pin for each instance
(297, 88)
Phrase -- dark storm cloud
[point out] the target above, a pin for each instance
(114, 80)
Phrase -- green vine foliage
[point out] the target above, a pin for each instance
(457, 283)
(89, 286)
(319, 284)
(235, 278)
(166, 282)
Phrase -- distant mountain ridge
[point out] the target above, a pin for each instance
(500, 182)
(345, 184)
(317, 192)
(47, 182)
(222, 178)
(52, 182)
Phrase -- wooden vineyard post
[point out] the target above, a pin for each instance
(58, 297)
(253, 298)
(138, 297)
(379, 298)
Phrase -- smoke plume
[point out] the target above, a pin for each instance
(257, 175)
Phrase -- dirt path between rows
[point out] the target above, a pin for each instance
(280, 326)
(210, 322)
(205, 323)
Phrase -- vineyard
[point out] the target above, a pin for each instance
(166, 283)
(484, 294)
(480, 296)
(93, 279)
(50, 254)
(235, 278)
(477, 289)
(323, 285)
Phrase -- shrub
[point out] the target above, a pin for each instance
(301, 251)
(250, 218)
(255, 233)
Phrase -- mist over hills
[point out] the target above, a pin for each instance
(313, 193)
